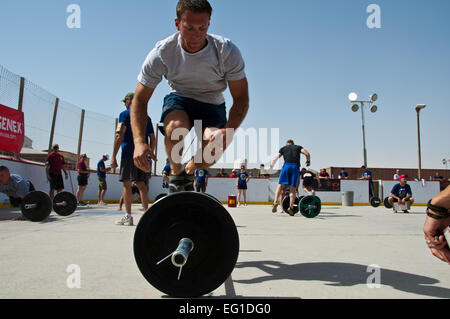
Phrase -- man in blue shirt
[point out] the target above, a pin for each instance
(401, 193)
(367, 175)
(128, 171)
(101, 176)
(241, 185)
(14, 186)
(201, 181)
(166, 174)
(343, 174)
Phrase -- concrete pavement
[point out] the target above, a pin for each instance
(343, 253)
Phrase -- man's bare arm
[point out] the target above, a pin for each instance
(138, 118)
(138, 112)
(239, 109)
(308, 156)
(120, 132)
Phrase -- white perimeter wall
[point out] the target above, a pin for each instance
(259, 190)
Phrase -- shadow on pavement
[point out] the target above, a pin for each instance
(344, 275)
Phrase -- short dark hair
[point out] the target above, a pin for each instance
(197, 6)
(290, 142)
(4, 168)
(363, 166)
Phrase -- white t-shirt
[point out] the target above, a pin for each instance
(202, 75)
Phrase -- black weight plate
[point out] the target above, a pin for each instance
(375, 201)
(386, 203)
(69, 208)
(186, 215)
(286, 202)
(310, 206)
(160, 196)
(43, 206)
(213, 198)
(15, 201)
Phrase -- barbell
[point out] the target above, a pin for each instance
(186, 244)
(37, 206)
(309, 206)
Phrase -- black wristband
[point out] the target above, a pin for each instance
(437, 209)
(434, 216)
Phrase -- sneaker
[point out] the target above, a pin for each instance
(182, 182)
(290, 211)
(102, 203)
(406, 211)
(274, 208)
(81, 204)
(125, 221)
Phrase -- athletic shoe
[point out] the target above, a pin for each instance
(274, 208)
(81, 204)
(406, 211)
(125, 221)
(182, 182)
(290, 211)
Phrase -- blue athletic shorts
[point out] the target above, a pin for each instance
(290, 174)
(212, 115)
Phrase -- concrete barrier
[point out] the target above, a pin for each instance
(260, 190)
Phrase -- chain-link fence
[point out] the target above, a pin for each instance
(9, 88)
(49, 120)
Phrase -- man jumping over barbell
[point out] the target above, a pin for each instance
(290, 173)
(14, 186)
(198, 67)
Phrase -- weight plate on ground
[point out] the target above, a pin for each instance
(215, 244)
(160, 196)
(386, 203)
(310, 206)
(64, 203)
(36, 206)
(213, 198)
(375, 201)
(286, 202)
(15, 201)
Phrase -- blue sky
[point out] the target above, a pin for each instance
(302, 58)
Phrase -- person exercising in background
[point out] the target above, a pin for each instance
(308, 176)
(198, 67)
(290, 173)
(14, 186)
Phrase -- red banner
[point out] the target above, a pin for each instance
(12, 129)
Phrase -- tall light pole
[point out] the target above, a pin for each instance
(353, 97)
(418, 108)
